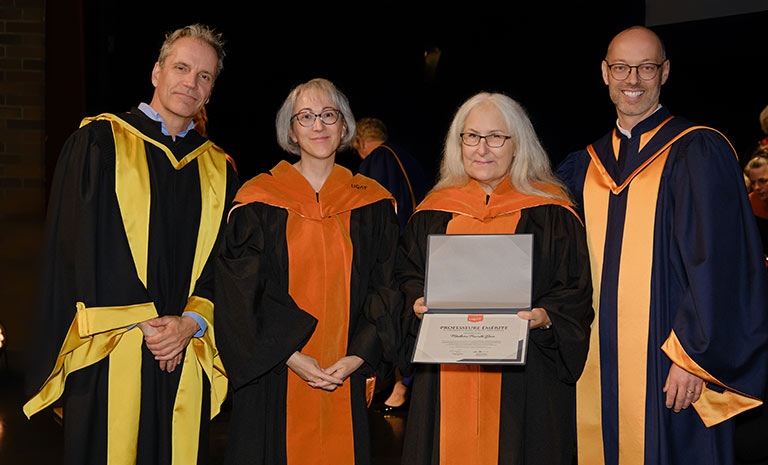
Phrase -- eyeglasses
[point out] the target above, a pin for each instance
(491, 140)
(307, 119)
(645, 71)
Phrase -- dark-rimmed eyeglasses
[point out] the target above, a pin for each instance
(491, 140)
(307, 119)
(645, 71)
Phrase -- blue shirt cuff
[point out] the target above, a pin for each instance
(200, 321)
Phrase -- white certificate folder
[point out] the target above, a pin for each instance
(475, 284)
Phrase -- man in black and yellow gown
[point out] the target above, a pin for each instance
(126, 310)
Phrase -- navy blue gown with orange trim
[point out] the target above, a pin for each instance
(401, 174)
(678, 275)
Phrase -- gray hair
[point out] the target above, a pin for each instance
(195, 31)
(284, 117)
(530, 163)
(371, 129)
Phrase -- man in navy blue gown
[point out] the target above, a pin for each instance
(678, 275)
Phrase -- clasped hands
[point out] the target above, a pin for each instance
(538, 316)
(167, 337)
(308, 369)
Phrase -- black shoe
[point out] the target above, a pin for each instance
(399, 411)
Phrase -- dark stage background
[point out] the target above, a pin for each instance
(546, 56)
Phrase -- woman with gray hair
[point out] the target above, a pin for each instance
(305, 303)
(495, 178)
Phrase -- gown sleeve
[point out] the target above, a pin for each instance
(204, 286)
(258, 324)
(375, 166)
(409, 271)
(562, 285)
(719, 319)
(83, 218)
(377, 332)
(572, 172)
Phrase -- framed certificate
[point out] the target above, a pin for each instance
(474, 287)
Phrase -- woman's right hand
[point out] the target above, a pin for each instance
(309, 370)
(419, 308)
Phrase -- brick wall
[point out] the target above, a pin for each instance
(22, 173)
(22, 110)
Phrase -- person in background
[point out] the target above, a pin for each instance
(393, 167)
(402, 175)
(761, 148)
(756, 172)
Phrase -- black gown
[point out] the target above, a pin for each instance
(88, 259)
(537, 400)
(259, 324)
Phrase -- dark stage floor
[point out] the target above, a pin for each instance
(39, 440)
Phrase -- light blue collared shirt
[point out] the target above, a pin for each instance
(155, 116)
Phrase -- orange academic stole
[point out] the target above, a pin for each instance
(320, 260)
(470, 395)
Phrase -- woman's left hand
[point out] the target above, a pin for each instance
(344, 367)
(538, 317)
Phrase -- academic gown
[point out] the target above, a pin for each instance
(678, 275)
(313, 272)
(128, 239)
(401, 174)
(760, 209)
(533, 413)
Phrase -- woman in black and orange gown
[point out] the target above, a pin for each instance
(308, 302)
(495, 178)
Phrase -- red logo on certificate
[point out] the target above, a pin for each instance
(474, 318)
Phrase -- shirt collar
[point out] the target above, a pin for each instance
(155, 116)
(629, 133)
